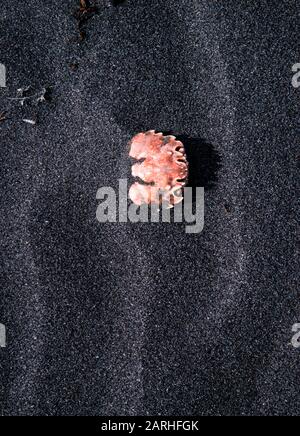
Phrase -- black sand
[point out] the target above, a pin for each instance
(140, 319)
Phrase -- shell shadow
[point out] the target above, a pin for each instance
(118, 2)
(204, 161)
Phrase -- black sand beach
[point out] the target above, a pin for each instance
(144, 319)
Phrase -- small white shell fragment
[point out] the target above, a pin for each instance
(32, 122)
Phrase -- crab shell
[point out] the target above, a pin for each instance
(163, 168)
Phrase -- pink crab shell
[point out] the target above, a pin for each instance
(163, 168)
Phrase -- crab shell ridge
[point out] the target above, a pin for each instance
(162, 168)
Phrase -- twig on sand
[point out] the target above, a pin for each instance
(83, 14)
(39, 97)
